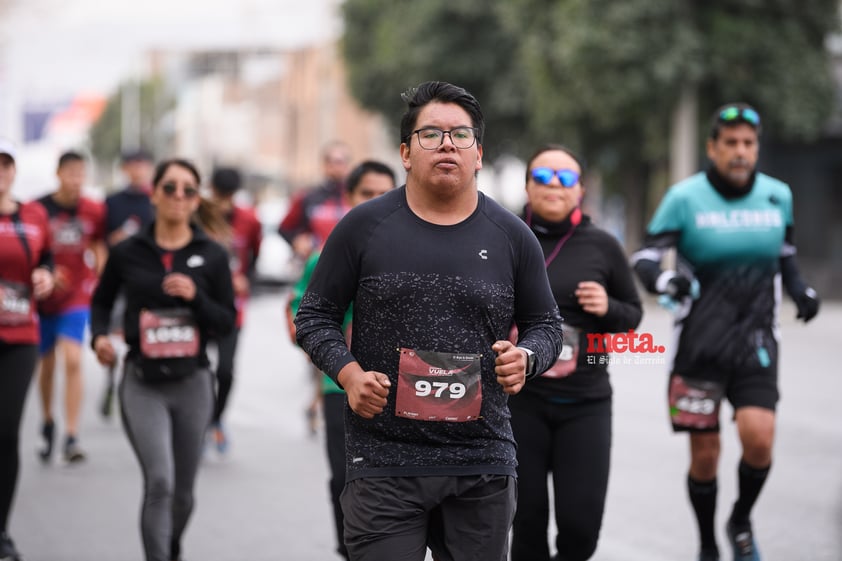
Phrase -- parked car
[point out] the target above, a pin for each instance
(276, 265)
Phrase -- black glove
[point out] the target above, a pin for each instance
(808, 305)
(678, 287)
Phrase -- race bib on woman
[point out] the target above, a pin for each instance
(15, 308)
(168, 333)
(435, 386)
(565, 365)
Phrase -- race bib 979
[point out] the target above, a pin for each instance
(434, 386)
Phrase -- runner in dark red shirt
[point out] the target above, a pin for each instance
(77, 226)
(25, 276)
(311, 217)
(241, 236)
(315, 212)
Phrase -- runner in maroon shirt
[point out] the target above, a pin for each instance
(77, 226)
(25, 276)
(242, 240)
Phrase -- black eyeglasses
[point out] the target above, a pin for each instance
(171, 188)
(430, 138)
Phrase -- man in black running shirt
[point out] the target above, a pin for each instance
(129, 210)
(437, 273)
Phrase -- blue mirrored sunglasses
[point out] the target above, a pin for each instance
(567, 177)
(734, 113)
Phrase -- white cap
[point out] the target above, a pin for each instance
(6, 147)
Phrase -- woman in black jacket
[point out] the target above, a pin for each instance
(178, 291)
(562, 419)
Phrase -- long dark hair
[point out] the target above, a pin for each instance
(164, 165)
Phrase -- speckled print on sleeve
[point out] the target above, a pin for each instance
(454, 289)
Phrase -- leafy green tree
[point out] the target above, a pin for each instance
(390, 46)
(151, 103)
(602, 76)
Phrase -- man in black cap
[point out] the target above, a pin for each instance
(126, 212)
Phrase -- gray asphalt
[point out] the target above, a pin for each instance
(267, 499)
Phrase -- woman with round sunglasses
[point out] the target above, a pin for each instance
(562, 419)
(25, 276)
(178, 291)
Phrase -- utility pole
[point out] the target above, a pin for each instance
(684, 136)
(130, 115)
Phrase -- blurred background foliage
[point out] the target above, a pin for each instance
(149, 98)
(600, 76)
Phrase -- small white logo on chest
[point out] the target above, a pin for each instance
(483, 253)
(195, 261)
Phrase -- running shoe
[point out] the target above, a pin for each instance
(312, 415)
(709, 555)
(7, 549)
(742, 541)
(72, 452)
(220, 438)
(48, 430)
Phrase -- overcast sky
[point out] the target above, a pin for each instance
(54, 48)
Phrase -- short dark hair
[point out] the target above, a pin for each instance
(550, 147)
(368, 166)
(69, 157)
(164, 165)
(418, 97)
(226, 180)
(717, 122)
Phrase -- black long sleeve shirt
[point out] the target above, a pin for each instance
(136, 265)
(449, 289)
(589, 254)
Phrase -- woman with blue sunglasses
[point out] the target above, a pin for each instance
(562, 419)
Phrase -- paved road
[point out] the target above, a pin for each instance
(268, 499)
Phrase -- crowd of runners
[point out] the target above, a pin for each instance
(447, 336)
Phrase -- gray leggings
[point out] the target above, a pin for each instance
(166, 423)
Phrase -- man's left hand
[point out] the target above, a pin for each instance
(808, 305)
(510, 366)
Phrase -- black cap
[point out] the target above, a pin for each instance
(226, 180)
(138, 155)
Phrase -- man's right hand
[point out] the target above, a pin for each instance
(367, 390)
(675, 285)
(678, 287)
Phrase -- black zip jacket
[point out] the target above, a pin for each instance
(136, 266)
(590, 254)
